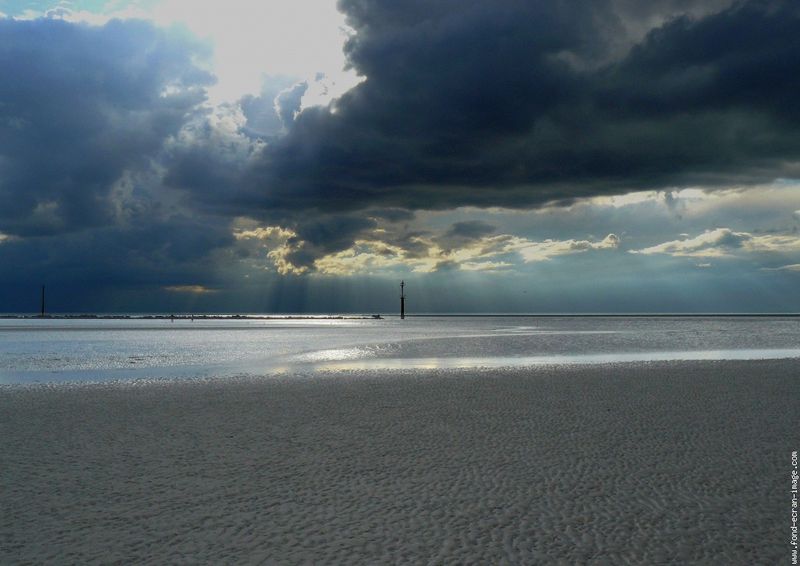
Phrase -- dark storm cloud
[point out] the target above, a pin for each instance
(516, 104)
(262, 119)
(325, 235)
(272, 111)
(333, 232)
(155, 253)
(85, 112)
(78, 106)
(470, 229)
(462, 233)
(392, 214)
(744, 58)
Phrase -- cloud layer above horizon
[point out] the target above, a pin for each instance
(552, 156)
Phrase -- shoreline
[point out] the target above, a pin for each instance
(184, 316)
(207, 316)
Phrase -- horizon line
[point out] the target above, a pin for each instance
(309, 315)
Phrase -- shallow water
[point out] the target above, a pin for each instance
(41, 351)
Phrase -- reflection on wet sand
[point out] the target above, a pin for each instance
(348, 363)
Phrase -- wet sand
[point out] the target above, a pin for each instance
(662, 462)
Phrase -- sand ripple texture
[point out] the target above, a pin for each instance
(662, 463)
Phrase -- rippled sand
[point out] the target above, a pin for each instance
(668, 462)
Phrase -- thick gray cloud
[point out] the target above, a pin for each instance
(85, 112)
(464, 232)
(84, 264)
(510, 103)
(272, 111)
(504, 103)
(327, 234)
(78, 106)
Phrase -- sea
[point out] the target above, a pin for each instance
(59, 350)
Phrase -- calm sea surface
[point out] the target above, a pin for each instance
(40, 351)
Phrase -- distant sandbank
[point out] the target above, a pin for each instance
(187, 317)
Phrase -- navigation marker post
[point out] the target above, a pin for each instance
(402, 300)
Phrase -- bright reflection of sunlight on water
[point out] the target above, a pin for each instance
(335, 355)
(522, 361)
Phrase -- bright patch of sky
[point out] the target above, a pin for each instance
(251, 39)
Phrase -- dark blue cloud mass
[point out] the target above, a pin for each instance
(505, 103)
(79, 105)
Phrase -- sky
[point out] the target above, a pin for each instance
(499, 156)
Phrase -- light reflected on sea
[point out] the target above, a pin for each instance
(498, 362)
(58, 351)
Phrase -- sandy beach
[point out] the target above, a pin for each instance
(640, 463)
